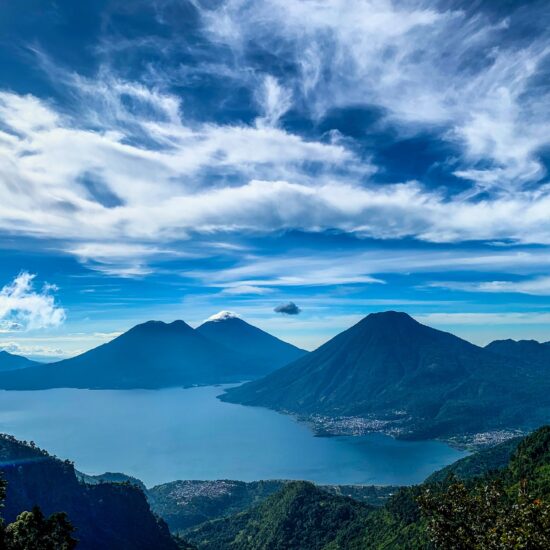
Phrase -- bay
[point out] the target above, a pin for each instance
(169, 434)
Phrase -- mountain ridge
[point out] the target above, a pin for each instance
(11, 361)
(153, 354)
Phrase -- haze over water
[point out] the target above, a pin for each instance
(165, 435)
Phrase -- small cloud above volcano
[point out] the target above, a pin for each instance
(290, 308)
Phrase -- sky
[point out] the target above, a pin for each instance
(299, 162)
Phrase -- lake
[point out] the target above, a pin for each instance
(164, 435)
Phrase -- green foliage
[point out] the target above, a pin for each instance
(532, 453)
(478, 464)
(510, 509)
(299, 516)
(187, 504)
(485, 518)
(33, 531)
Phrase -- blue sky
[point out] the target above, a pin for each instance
(169, 159)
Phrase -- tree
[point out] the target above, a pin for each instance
(33, 531)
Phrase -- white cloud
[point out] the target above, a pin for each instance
(343, 268)
(223, 316)
(246, 290)
(258, 273)
(484, 319)
(538, 286)
(274, 100)
(23, 308)
(31, 351)
(124, 260)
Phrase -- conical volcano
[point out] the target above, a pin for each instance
(389, 364)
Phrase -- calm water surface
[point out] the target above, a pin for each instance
(164, 435)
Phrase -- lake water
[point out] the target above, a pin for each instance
(164, 435)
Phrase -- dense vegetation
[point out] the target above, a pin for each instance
(299, 516)
(478, 464)
(32, 531)
(390, 367)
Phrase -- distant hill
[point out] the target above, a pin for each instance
(392, 367)
(186, 504)
(478, 464)
(266, 352)
(536, 353)
(9, 361)
(150, 355)
(105, 515)
(110, 477)
(299, 516)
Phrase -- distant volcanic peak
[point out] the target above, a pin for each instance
(160, 326)
(386, 319)
(222, 316)
(178, 323)
(390, 314)
(512, 341)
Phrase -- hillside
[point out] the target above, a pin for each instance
(9, 361)
(150, 355)
(106, 515)
(478, 464)
(300, 516)
(264, 351)
(421, 381)
(186, 504)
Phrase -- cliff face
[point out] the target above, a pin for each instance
(105, 515)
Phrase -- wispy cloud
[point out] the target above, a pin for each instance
(485, 319)
(295, 269)
(538, 286)
(423, 63)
